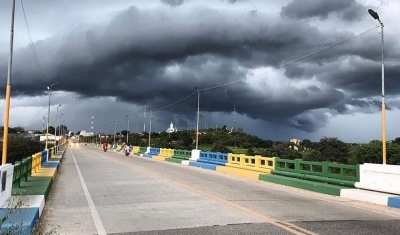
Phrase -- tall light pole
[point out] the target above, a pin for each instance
(198, 115)
(107, 133)
(59, 127)
(8, 90)
(115, 130)
(151, 113)
(48, 114)
(59, 124)
(137, 125)
(127, 131)
(376, 17)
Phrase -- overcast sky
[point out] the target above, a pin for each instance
(113, 58)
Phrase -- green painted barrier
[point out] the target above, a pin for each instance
(338, 174)
(321, 179)
(17, 173)
(142, 150)
(182, 154)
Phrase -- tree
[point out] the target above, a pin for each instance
(306, 143)
(218, 147)
(21, 147)
(396, 140)
(334, 150)
(372, 153)
(52, 130)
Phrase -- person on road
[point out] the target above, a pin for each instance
(105, 145)
(126, 149)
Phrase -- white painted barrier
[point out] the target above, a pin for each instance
(195, 155)
(378, 177)
(6, 181)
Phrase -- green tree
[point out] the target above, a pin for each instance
(21, 147)
(334, 150)
(218, 147)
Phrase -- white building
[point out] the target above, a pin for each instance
(86, 133)
(171, 128)
(51, 137)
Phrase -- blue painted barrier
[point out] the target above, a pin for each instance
(213, 158)
(21, 221)
(394, 202)
(154, 151)
(44, 156)
(203, 165)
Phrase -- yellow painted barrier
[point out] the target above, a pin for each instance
(239, 172)
(166, 152)
(159, 158)
(135, 149)
(36, 162)
(119, 147)
(253, 163)
(45, 172)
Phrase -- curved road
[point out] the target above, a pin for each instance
(109, 193)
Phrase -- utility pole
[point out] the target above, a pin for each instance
(8, 89)
(198, 116)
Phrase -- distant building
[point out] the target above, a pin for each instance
(51, 138)
(296, 143)
(171, 128)
(86, 133)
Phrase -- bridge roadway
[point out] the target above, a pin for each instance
(109, 193)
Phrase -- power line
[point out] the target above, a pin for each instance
(330, 46)
(31, 43)
(296, 60)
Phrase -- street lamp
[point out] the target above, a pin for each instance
(59, 128)
(8, 90)
(198, 114)
(48, 114)
(151, 113)
(115, 130)
(376, 17)
(127, 131)
(61, 131)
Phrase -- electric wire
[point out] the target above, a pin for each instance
(330, 46)
(34, 54)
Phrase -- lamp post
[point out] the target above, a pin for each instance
(198, 115)
(107, 133)
(127, 131)
(137, 125)
(59, 128)
(115, 130)
(151, 113)
(376, 17)
(48, 114)
(8, 90)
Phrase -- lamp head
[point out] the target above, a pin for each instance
(373, 14)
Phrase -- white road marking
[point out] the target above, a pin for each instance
(92, 207)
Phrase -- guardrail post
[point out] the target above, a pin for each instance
(297, 165)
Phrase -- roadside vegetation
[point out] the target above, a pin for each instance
(222, 140)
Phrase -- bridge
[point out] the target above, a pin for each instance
(84, 190)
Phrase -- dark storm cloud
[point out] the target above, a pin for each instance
(302, 9)
(157, 57)
(173, 3)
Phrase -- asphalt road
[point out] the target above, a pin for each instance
(109, 193)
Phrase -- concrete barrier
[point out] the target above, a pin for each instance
(252, 163)
(24, 188)
(216, 158)
(381, 178)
